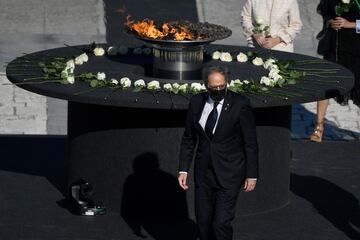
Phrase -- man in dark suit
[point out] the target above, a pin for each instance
(222, 123)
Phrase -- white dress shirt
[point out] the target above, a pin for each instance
(209, 105)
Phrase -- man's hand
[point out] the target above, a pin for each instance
(182, 180)
(260, 39)
(249, 185)
(271, 42)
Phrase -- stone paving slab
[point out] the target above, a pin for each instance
(40, 24)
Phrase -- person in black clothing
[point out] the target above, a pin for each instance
(222, 125)
(342, 29)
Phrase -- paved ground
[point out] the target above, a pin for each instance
(33, 26)
(324, 198)
(40, 24)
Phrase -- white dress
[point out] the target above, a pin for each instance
(282, 16)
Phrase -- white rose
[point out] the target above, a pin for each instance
(246, 82)
(277, 77)
(112, 51)
(232, 83)
(175, 85)
(265, 80)
(114, 81)
(84, 57)
(346, 1)
(64, 74)
(99, 51)
(137, 51)
(241, 57)
(273, 73)
(70, 79)
(167, 87)
(153, 85)
(147, 51)
(203, 88)
(70, 64)
(225, 57)
(216, 55)
(268, 63)
(195, 86)
(78, 61)
(259, 20)
(123, 50)
(258, 61)
(238, 81)
(139, 83)
(125, 82)
(183, 87)
(100, 76)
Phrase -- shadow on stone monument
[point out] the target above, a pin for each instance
(153, 200)
(338, 206)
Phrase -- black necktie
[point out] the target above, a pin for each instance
(211, 120)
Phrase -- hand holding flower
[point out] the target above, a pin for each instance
(259, 38)
(340, 22)
(271, 42)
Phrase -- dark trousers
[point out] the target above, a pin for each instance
(214, 208)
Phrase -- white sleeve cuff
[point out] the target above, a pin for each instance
(183, 172)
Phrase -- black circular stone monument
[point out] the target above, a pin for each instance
(126, 143)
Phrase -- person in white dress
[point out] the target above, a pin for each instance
(282, 18)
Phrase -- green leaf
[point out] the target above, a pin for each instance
(94, 83)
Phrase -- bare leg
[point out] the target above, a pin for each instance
(322, 106)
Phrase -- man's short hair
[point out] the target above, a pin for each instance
(215, 69)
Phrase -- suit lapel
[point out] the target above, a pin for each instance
(224, 112)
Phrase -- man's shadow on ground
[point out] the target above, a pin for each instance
(153, 200)
(337, 205)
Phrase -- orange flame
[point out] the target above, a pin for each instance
(147, 28)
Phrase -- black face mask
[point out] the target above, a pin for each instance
(217, 95)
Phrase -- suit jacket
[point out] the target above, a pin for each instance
(233, 149)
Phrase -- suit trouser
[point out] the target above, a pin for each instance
(215, 208)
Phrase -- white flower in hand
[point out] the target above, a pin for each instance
(153, 85)
(101, 76)
(225, 57)
(114, 81)
(259, 20)
(258, 61)
(123, 50)
(112, 51)
(216, 55)
(241, 57)
(167, 87)
(125, 82)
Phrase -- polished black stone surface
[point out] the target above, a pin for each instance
(139, 67)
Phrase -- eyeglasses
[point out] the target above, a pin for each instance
(220, 87)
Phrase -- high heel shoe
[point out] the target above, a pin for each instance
(317, 134)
